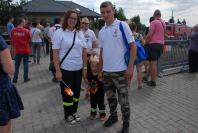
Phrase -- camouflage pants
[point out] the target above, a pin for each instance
(116, 82)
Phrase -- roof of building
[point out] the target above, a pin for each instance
(53, 6)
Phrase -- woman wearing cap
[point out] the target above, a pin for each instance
(69, 70)
(193, 51)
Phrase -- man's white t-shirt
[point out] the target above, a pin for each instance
(62, 40)
(52, 30)
(36, 35)
(90, 37)
(111, 41)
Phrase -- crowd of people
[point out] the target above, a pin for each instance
(73, 56)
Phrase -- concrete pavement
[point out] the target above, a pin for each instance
(171, 107)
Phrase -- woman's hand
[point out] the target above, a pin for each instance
(59, 75)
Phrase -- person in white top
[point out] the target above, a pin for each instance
(46, 39)
(89, 34)
(117, 75)
(90, 39)
(73, 66)
(37, 37)
(51, 32)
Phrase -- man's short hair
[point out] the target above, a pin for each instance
(34, 24)
(57, 20)
(19, 21)
(10, 17)
(106, 4)
(157, 13)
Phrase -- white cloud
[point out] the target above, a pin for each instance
(145, 8)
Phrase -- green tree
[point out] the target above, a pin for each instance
(136, 20)
(8, 8)
(97, 24)
(140, 26)
(120, 14)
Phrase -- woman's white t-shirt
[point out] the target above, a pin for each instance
(62, 40)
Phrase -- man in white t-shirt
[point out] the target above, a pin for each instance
(89, 35)
(90, 39)
(117, 75)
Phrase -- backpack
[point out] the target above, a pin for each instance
(141, 54)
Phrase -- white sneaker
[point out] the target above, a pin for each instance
(76, 117)
(70, 119)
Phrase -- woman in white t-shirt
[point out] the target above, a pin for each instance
(36, 42)
(74, 66)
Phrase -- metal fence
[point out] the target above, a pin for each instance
(175, 57)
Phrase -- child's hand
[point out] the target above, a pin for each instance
(100, 76)
(87, 95)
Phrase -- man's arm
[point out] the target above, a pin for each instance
(133, 51)
(101, 60)
(129, 71)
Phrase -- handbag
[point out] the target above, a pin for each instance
(141, 54)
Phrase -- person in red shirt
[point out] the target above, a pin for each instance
(20, 40)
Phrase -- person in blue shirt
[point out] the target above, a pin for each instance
(10, 25)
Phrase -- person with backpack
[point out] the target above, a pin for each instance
(56, 26)
(117, 75)
(139, 38)
(70, 61)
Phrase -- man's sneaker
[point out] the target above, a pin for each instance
(26, 80)
(151, 83)
(125, 128)
(111, 120)
(14, 81)
(76, 117)
(70, 119)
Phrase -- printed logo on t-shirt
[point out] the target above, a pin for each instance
(115, 33)
(87, 37)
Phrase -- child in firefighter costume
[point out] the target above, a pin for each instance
(96, 90)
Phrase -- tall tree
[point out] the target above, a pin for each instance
(8, 8)
(136, 20)
(140, 27)
(121, 15)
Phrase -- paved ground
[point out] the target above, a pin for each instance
(171, 107)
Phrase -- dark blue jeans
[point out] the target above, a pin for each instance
(18, 58)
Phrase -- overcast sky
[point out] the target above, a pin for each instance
(187, 9)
